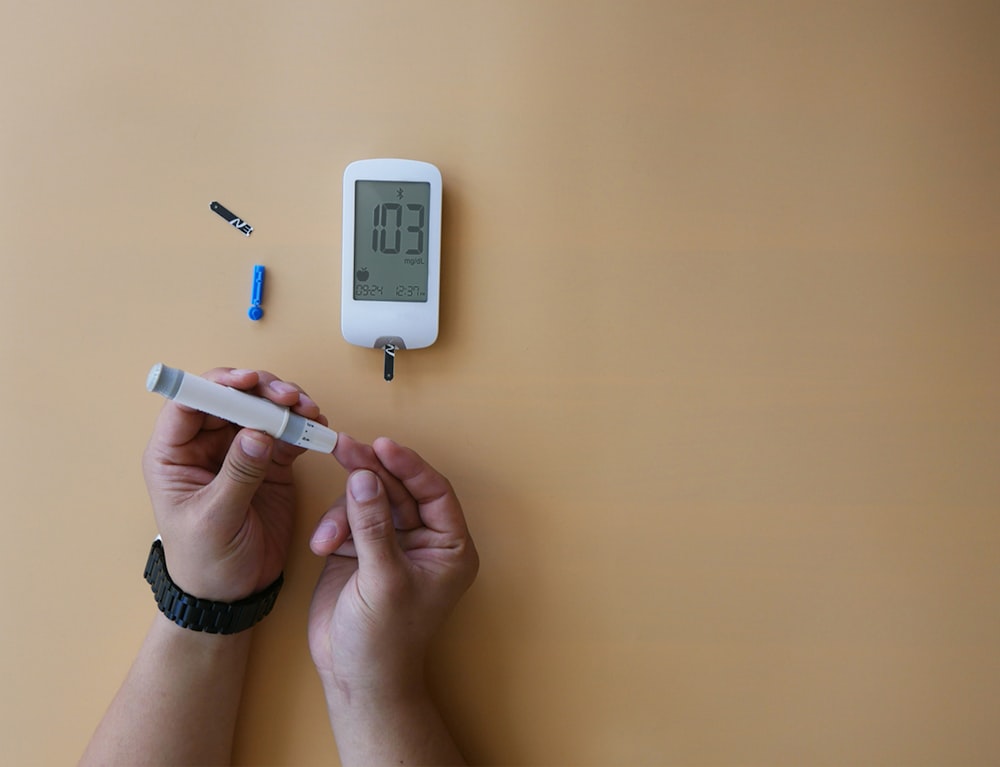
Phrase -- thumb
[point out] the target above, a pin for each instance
(370, 518)
(243, 469)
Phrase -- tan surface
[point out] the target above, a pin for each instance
(717, 378)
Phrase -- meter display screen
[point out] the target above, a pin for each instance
(390, 240)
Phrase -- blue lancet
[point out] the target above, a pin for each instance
(255, 312)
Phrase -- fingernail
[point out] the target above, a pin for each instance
(305, 400)
(281, 387)
(240, 372)
(253, 446)
(326, 531)
(363, 485)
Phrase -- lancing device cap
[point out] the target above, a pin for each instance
(164, 380)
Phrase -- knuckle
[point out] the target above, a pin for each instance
(372, 525)
(242, 472)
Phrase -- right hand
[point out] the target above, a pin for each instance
(399, 557)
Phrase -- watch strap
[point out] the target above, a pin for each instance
(206, 615)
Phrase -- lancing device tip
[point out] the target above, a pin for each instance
(255, 312)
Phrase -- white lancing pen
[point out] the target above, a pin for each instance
(240, 408)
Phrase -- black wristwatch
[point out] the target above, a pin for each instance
(206, 615)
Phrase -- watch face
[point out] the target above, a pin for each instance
(390, 240)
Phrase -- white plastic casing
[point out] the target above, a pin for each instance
(372, 324)
(239, 407)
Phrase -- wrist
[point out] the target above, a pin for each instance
(205, 615)
(376, 686)
(390, 723)
(352, 708)
(199, 644)
(197, 655)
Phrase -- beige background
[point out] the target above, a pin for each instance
(717, 378)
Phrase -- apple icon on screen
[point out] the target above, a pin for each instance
(362, 275)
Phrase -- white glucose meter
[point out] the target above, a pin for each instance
(390, 291)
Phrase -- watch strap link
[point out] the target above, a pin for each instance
(206, 615)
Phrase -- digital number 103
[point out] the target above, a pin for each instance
(388, 228)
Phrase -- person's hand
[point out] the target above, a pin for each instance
(399, 556)
(223, 496)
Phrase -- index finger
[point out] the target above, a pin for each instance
(178, 424)
(437, 503)
(354, 455)
(290, 395)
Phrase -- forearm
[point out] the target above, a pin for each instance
(178, 703)
(383, 727)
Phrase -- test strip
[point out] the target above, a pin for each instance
(389, 367)
(235, 221)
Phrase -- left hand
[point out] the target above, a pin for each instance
(223, 496)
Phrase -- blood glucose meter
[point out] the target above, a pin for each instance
(390, 294)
